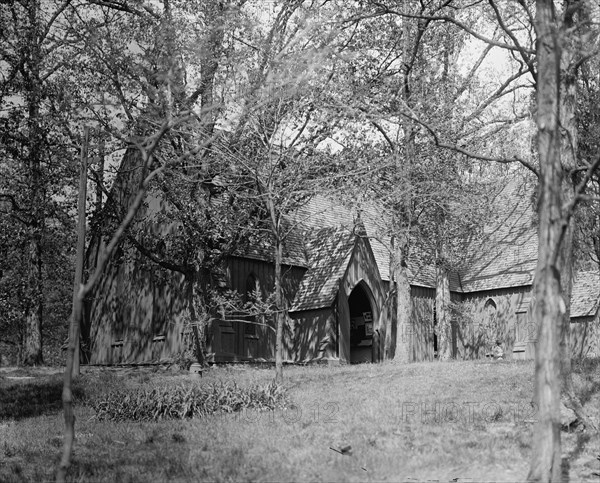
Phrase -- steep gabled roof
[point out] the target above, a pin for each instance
(322, 212)
(586, 292)
(506, 255)
(261, 248)
(329, 251)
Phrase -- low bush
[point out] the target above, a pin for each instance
(179, 402)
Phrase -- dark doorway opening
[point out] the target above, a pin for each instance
(361, 326)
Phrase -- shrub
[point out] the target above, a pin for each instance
(179, 402)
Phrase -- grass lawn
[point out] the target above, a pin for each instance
(383, 422)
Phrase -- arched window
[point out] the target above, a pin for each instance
(490, 308)
(251, 293)
(494, 334)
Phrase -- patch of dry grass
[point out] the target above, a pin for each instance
(426, 421)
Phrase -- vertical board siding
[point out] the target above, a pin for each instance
(471, 339)
(134, 303)
(138, 314)
(585, 337)
(420, 329)
(311, 336)
(229, 341)
(135, 300)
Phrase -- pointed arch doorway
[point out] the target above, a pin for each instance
(363, 316)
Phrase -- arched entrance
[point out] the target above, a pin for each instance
(362, 320)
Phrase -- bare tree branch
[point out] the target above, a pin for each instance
(444, 18)
(124, 6)
(183, 269)
(579, 196)
(526, 56)
(52, 19)
(470, 154)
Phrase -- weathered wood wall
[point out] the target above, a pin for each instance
(585, 337)
(238, 341)
(420, 330)
(136, 314)
(313, 335)
(512, 316)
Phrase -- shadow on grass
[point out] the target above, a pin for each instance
(161, 456)
(589, 369)
(21, 399)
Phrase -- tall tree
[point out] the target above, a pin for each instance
(32, 52)
(164, 36)
(155, 131)
(407, 81)
(500, 25)
(262, 95)
(561, 34)
(276, 143)
(550, 306)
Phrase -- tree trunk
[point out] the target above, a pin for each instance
(404, 329)
(546, 450)
(388, 343)
(279, 314)
(391, 312)
(443, 327)
(100, 171)
(569, 397)
(569, 141)
(208, 70)
(550, 305)
(32, 344)
(69, 435)
(568, 160)
(194, 320)
(80, 244)
(67, 394)
(72, 363)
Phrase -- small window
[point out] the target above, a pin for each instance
(490, 308)
(493, 332)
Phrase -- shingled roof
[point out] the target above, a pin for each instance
(586, 292)
(261, 248)
(506, 255)
(322, 212)
(328, 251)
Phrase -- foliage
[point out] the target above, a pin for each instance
(195, 401)
(37, 172)
(587, 239)
(476, 338)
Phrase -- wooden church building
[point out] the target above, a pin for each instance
(336, 281)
